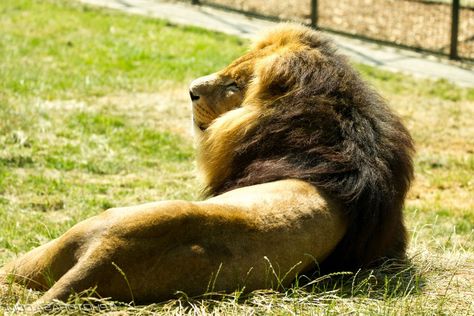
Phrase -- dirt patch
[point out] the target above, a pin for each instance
(169, 109)
(425, 25)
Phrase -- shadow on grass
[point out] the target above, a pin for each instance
(390, 280)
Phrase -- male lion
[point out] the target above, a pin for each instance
(306, 168)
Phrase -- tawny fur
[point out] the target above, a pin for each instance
(303, 164)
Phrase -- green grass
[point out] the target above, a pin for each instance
(94, 114)
(72, 51)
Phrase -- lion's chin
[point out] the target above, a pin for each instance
(198, 129)
(200, 126)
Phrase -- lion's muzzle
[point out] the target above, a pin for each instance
(213, 96)
(202, 91)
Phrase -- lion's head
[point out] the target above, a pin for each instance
(293, 108)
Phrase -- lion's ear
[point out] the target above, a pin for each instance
(276, 74)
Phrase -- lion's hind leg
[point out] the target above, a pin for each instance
(39, 268)
(31, 269)
(79, 277)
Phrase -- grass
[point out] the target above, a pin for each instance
(94, 114)
(109, 52)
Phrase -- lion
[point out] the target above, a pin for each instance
(305, 169)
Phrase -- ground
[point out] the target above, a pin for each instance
(94, 114)
(423, 24)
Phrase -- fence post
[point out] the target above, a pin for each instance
(314, 13)
(194, 1)
(453, 52)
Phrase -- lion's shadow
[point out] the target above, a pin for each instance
(388, 281)
(391, 279)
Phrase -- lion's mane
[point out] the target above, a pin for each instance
(323, 124)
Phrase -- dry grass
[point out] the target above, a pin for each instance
(445, 168)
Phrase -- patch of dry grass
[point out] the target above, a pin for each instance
(443, 132)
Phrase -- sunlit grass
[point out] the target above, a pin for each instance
(58, 49)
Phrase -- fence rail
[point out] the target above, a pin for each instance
(434, 26)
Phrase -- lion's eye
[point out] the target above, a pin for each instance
(232, 86)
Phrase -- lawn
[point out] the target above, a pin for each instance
(94, 114)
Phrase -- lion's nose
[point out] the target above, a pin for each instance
(203, 87)
(193, 96)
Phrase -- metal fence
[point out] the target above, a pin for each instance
(437, 26)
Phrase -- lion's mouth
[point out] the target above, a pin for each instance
(202, 127)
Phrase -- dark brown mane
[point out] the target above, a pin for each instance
(329, 128)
